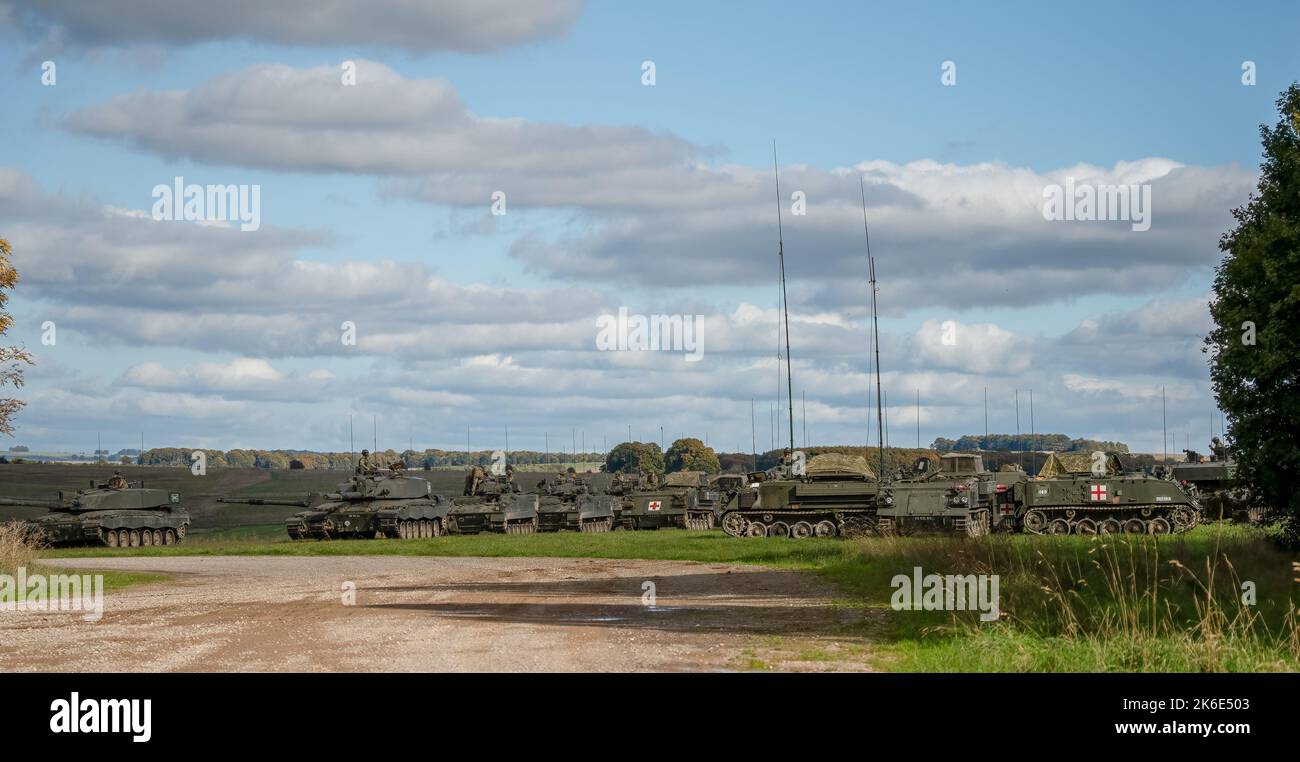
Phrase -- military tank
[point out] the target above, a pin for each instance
(578, 504)
(1213, 482)
(118, 516)
(958, 496)
(493, 504)
(835, 496)
(375, 504)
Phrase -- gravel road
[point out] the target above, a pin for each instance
(444, 614)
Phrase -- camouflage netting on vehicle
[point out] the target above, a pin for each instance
(1077, 464)
(683, 479)
(838, 464)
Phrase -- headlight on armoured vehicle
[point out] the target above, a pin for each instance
(889, 500)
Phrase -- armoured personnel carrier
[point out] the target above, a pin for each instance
(493, 504)
(116, 514)
(379, 503)
(835, 496)
(958, 496)
(579, 504)
(1132, 503)
(1213, 481)
(649, 504)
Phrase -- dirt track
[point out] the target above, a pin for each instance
(443, 614)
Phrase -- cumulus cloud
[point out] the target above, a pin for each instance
(419, 26)
(656, 209)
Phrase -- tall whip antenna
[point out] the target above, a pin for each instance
(875, 326)
(785, 301)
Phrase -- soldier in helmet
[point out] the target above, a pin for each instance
(117, 481)
(364, 466)
(1217, 447)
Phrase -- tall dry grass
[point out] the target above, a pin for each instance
(18, 546)
(1127, 602)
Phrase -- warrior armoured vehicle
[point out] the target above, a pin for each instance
(122, 515)
(493, 504)
(381, 503)
(1213, 481)
(836, 495)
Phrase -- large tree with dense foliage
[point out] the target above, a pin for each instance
(11, 358)
(690, 454)
(634, 457)
(1255, 345)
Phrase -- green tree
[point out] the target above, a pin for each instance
(11, 358)
(1256, 308)
(633, 457)
(690, 454)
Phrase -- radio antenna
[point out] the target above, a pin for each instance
(875, 326)
(785, 302)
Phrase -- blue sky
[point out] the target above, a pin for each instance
(837, 85)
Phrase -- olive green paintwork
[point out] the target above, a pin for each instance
(381, 504)
(112, 517)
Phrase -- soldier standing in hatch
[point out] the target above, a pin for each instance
(117, 481)
(1216, 447)
(474, 480)
(364, 465)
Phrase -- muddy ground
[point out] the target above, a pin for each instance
(446, 614)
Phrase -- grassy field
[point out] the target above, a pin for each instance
(1141, 603)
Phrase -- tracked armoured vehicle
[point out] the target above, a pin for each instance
(493, 504)
(958, 496)
(836, 495)
(1132, 503)
(122, 515)
(578, 504)
(380, 503)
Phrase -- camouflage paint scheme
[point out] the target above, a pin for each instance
(129, 517)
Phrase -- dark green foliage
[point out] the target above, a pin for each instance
(1257, 290)
(634, 457)
(690, 454)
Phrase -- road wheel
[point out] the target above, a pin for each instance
(169, 537)
(157, 537)
(825, 529)
(1086, 526)
(437, 528)
(1036, 522)
(1058, 526)
(110, 538)
(1110, 526)
(756, 529)
(135, 538)
(1158, 525)
(734, 524)
(801, 529)
(779, 529)
(1135, 526)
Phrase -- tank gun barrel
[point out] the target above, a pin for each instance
(298, 502)
(34, 502)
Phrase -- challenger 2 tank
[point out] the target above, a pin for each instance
(835, 496)
(374, 504)
(958, 496)
(493, 504)
(115, 514)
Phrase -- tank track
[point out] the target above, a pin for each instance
(142, 537)
(978, 524)
(597, 526)
(417, 529)
(699, 522)
(798, 524)
(1152, 518)
(521, 527)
